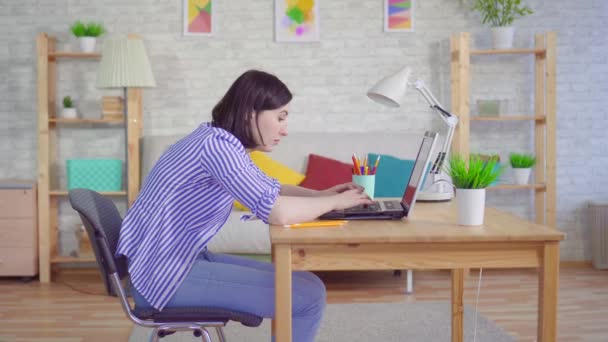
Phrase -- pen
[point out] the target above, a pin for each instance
(315, 224)
(376, 165)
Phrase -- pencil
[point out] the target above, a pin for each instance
(315, 224)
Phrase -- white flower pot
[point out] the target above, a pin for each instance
(522, 176)
(69, 113)
(87, 44)
(471, 206)
(502, 37)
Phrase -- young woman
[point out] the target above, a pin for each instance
(188, 195)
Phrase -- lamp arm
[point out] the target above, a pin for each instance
(450, 120)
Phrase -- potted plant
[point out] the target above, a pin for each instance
(522, 165)
(471, 182)
(68, 110)
(87, 34)
(501, 14)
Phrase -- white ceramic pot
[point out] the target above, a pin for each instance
(69, 113)
(87, 44)
(502, 37)
(471, 206)
(522, 176)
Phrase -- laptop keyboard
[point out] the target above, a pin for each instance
(364, 207)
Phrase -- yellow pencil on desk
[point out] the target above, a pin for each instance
(317, 224)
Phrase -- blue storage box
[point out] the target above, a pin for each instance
(95, 174)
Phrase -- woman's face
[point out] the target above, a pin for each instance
(273, 126)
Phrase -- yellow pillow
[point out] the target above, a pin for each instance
(274, 169)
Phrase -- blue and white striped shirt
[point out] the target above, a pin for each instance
(184, 201)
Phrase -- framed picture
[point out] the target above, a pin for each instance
(198, 18)
(398, 15)
(296, 20)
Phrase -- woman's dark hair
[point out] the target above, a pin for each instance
(254, 91)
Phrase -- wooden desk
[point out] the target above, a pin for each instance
(429, 240)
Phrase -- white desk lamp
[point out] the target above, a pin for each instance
(390, 92)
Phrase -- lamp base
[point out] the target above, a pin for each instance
(430, 196)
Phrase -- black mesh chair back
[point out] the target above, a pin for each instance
(102, 222)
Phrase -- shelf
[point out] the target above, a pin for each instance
(509, 52)
(85, 258)
(73, 55)
(539, 118)
(107, 193)
(85, 121)
(538, 187)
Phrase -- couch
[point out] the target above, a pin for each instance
(252, 237)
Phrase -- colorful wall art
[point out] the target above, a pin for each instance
(198, 18)
(398, 15)
(296, 20)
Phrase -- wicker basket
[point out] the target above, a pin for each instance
(95, 174)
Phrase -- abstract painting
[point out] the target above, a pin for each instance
(398, 16)
(198, 18)
(296, 20)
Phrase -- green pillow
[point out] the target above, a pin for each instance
(392, 175)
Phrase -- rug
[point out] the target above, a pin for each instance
(402, 322)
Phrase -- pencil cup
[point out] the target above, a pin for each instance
(366, 181)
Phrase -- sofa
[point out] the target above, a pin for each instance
(251, 237)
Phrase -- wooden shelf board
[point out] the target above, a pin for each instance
(85, 258)
(59, 54)
(539, 118)
(539, 187)
(107, 193)
(85, 121)
(508, 52)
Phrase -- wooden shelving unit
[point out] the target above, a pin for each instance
(544, 54)
(48, 199)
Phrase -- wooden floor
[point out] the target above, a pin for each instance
(58, 312)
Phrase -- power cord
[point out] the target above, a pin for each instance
(476, 304)
(81, 291)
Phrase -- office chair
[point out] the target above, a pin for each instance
(102, 222)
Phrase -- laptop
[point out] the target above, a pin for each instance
(393, 210)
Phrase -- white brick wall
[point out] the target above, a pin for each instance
(329, 80)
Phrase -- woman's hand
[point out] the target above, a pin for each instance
(340, 188)
(351, 198)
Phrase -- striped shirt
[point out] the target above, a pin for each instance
(184, 201)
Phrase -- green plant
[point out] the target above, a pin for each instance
(522, 160)
(79, 29)
(67, 102)
(478, 174)
(501, 12)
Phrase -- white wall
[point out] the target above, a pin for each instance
(329, 80)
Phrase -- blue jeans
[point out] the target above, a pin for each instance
(247, 285)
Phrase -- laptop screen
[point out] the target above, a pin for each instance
(417, 175)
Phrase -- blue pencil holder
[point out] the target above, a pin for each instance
(368, 182)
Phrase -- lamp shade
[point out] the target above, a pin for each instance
(124, 63)
(390, 90)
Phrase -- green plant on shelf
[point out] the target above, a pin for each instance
(522, 160)
(80, 29)
(478, 174)
(500, 12)
(67, 102)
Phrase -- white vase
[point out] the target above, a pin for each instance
(521, 175)
(471, 206)
(87, 44)
(502, 37)
(69, 113)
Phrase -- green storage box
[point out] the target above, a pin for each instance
(95, 174)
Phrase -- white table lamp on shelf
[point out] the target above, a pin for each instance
(124, 64)
(390, 92)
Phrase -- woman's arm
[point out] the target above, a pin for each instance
(298, 191)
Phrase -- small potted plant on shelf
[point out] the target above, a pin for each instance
(501, 14)
(68, 110)
(471, 182)
(522, 164)
(87, 34)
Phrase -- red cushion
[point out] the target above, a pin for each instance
(323, 173)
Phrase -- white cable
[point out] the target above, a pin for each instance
(476, 304)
